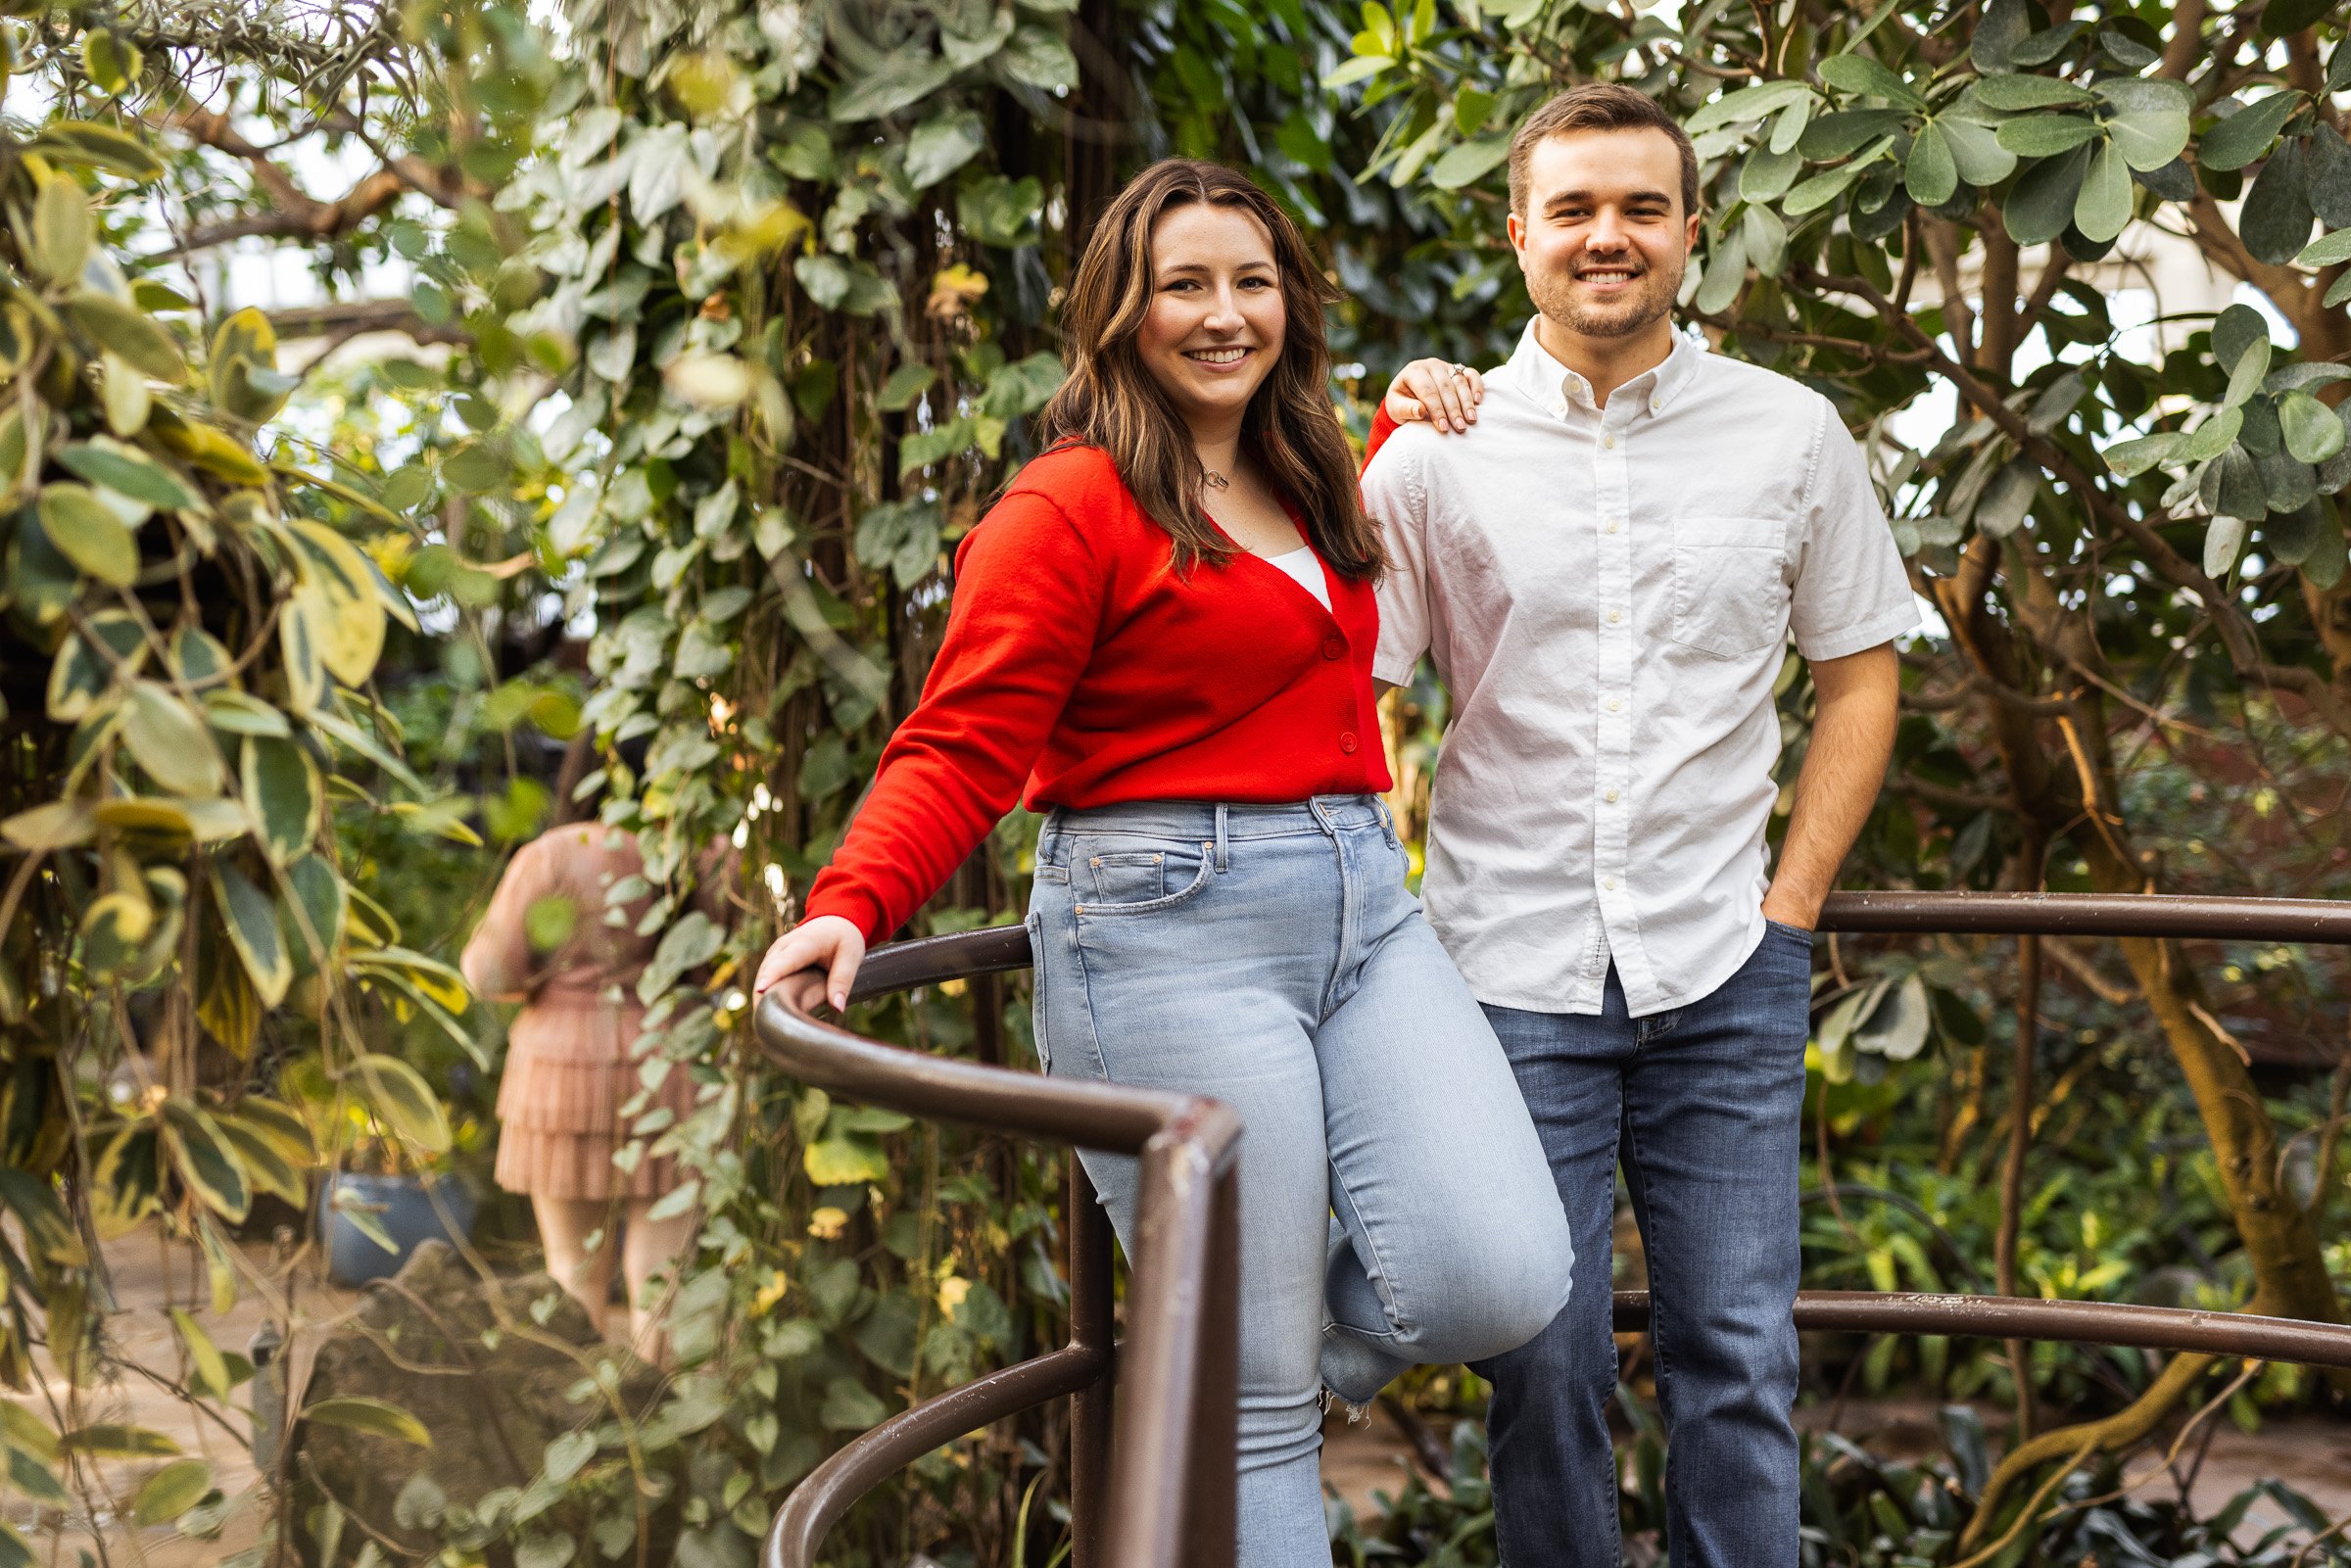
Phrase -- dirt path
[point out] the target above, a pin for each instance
(150, 1279)
(2312, 1455)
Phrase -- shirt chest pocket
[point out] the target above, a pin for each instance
(1730, 585)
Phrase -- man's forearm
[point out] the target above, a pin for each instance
(1853, 739)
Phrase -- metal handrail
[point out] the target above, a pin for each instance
(1171, 1464)
(1166, 1493)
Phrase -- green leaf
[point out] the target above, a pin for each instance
(897, 79)
(2246, 379)
(360, 1413)
(2224, 542)
(401, 1096)
(2275, 222)
(84, 670)
(250, 919)
(129, 333)
(2045, 135)
(850, 1407)
(113, 929)
(2150, 119)
(1467, 163)
(1977, 151)
(2103, 208)
(170, 742)
(60, 229)
(2131, 458)
(1355, 69)
(284, 793)
(1822, 189)
(2018, 94)
(1859, 73)
(1036, 57)
(128, 471)
(2329, 159)
(203, 1357)
(245, 379)
(1745, 106)
(2313, 433)
(1764, 236)
(941, 145)
(2295, 536)
(48, 1228)
(54, 825)
(110, 1439)
(88, 532)
(1931, 174)
(847, 1161)
(205, 1159)
(1766, 175)
(1725, 274)
(2280, 18)
(2004, 24)
(2042, 206)
(2326, 249)
(2324, 566)
(2213, 437)
(1846, 132)
(2007, 496)
(98, 146)
(2246, 134)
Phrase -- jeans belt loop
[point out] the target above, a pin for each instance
(1223, 849)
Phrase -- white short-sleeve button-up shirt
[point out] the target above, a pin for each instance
(1608, 593)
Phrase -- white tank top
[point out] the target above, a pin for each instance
(1306, 568)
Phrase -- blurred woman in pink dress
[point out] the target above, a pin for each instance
(570, 1068)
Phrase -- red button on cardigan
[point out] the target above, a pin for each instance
(1080, 669)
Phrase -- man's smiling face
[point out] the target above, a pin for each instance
(1603, 241)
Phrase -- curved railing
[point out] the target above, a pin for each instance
(1159, 1492)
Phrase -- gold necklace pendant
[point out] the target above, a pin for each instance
(1215, 481)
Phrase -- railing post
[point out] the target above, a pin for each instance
(1091, 1406)
(1209, 1512)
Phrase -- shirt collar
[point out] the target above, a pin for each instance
(1557, 388)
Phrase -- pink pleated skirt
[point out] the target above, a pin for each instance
(568, 1072)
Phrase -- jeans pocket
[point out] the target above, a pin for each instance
(1140, 881)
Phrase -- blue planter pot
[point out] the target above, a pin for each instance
(405, 1212)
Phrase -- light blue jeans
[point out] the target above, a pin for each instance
(1396, 1206)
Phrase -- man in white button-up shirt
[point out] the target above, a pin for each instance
(1606, 571)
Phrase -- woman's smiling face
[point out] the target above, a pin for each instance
(1216, 317)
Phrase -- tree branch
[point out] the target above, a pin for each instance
(2235, 633)
(294, 213)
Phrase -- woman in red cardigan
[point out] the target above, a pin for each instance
(1162, 639)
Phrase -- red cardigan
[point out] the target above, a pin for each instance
(1079, 663)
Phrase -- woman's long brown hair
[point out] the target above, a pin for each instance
(1112, 401)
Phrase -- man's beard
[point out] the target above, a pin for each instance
(1651, 296)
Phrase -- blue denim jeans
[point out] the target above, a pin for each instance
(1703, 1105)
(1395, 1203)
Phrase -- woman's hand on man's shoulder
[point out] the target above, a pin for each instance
(1438, 391)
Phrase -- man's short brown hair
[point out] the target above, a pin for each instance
(1599, 106)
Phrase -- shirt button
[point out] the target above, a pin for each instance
(1608, 441)
(1611, 527)
(1608, 884)
(1611, 797)
(1616, 704)
(1347, 743)
(1334, 646)
(1614, 616)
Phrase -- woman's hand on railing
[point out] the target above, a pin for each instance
(816, 960)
